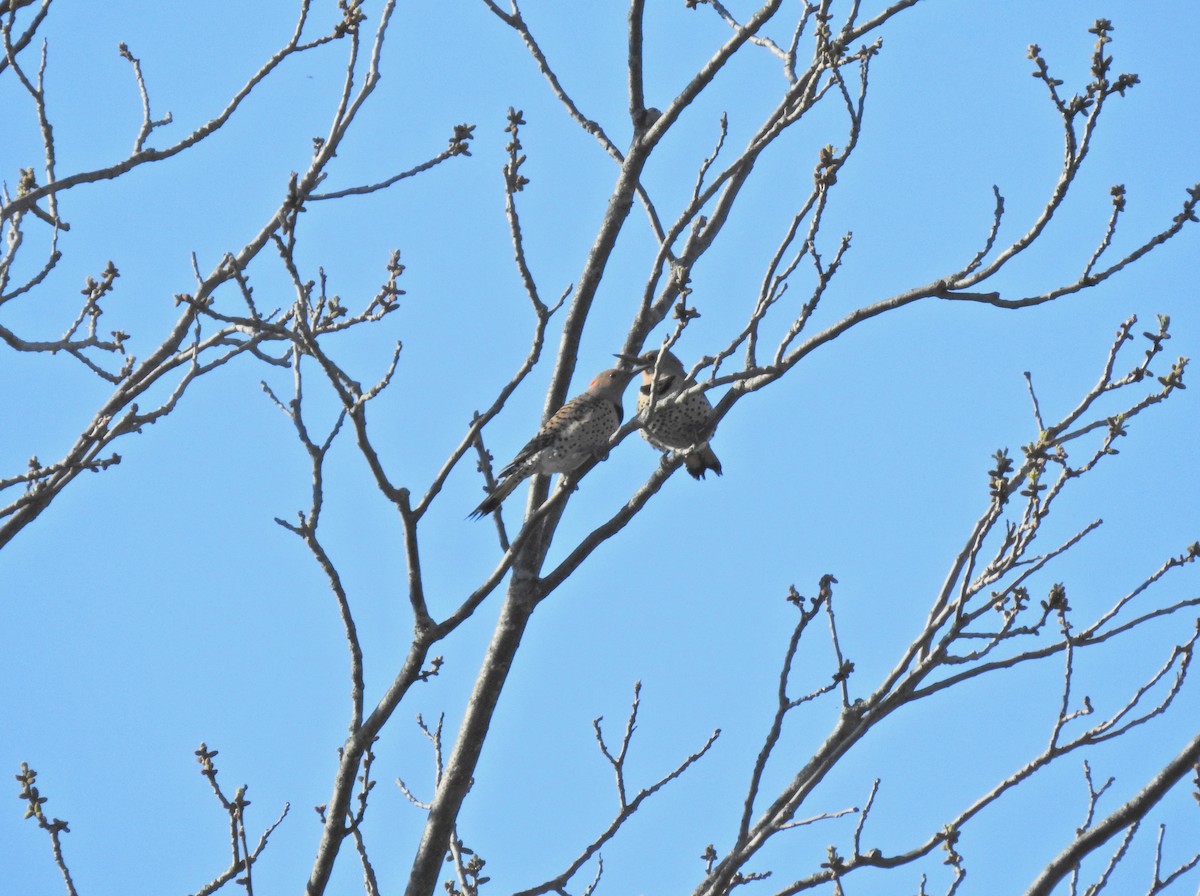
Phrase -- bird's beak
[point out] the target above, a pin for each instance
(636, 361)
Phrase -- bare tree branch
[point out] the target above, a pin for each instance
(1123, 817)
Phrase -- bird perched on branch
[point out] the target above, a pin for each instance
(682, 426)
(580, 429)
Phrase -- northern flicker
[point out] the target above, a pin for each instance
(681, 427)
(578, 430)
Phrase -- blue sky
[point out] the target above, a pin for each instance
(157, 605)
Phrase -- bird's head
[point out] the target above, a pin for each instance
(614, 380)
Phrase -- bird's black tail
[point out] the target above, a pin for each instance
(492, 502)
(700, 462)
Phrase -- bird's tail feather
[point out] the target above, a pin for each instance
(701, 461)
(492, 502)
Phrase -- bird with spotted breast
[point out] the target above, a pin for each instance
(579, 430)
(675, 426)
